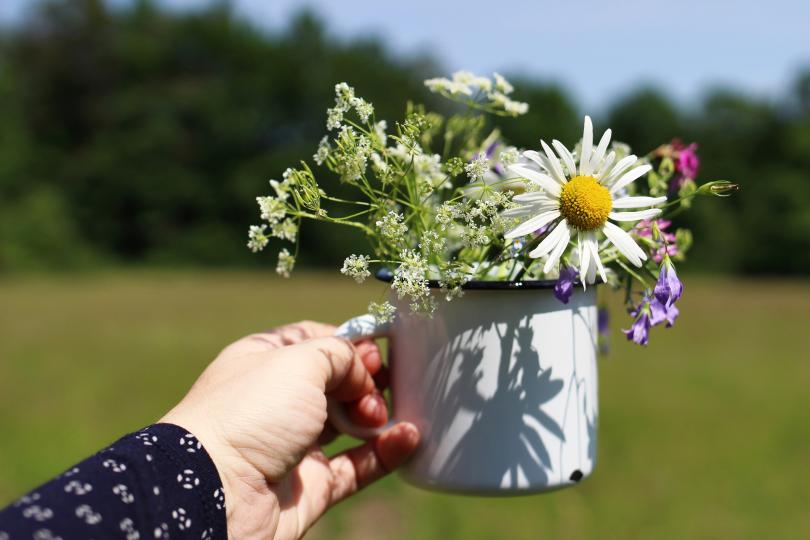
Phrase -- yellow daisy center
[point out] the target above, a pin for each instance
(585, 203)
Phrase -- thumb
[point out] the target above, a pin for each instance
(336, 366)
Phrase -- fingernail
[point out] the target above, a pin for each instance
(409, 433)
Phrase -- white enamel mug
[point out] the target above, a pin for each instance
(502, 384)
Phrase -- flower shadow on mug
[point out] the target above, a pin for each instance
(503, 415)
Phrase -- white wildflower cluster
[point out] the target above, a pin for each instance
(410, 280)
(446, 214)
(509, 156)
(379, 164)
(382, 312)
(452, 282)
(509, 105)
(257, 240)
(380, 132)
(392, 227)
(286, 263)
(334, 118)
(285, 230)
(429, 174)
(474, 235)
(352, 154)
(322, 153)
(345, 101)
(502, 85)
(432, 242)
(271, 209)
(356, 267)
(477, 168)
(469, 86)
(363, 108)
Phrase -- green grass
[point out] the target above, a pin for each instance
(703, 434)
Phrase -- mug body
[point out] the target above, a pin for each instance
(503, 387)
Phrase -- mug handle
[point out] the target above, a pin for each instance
(355, 329)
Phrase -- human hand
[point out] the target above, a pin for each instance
(260, 411)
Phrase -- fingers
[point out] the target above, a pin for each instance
(362, 465)
(291, 334)
(369, 411)
(370, 353)
(336, 366)
(288, 334)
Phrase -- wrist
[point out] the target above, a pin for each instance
(245, 489)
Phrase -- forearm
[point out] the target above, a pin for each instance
(156, 483)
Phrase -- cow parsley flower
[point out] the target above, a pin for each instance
(477, 168)
(363, 108)
(391, 226)
(356, 267)
(379, 132)
(446, 213)
(286, 263)
(257, 240)
(431, 242)
(443, 85)
(272, 209)
(410, 281)
(344, 95)
(322, 153)
(382, 312)
(334, 117)
(286, 230)
(580, 199)
(509, 156)
(502, 85)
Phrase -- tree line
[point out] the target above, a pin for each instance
(140, 136)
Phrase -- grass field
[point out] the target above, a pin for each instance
(703, 434)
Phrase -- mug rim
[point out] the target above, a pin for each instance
(386, 275)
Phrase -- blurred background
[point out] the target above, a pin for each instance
(135, 135)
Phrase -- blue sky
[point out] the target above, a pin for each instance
(597, 49)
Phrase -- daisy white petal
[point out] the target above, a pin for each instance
(532, 196)
(561, 235)
(584, 257)
(535, 156)
(564, 235)
(530, 209)
(533, 224)
(606, 164)
(520, 211)
(550, 241)
(590, 277)
(566, 156)
(599, 154)
(634, 216)
(624, 243)
(553, 160)
(638, 202)
(595, 253)
(623, 164)
(629, 177)
(543, 180)
(587, 147)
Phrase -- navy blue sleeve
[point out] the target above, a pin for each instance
(156, 483)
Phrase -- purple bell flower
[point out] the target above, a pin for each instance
(668, 288)
(565, 283)
(660, 313)
(603, 325)
(639, 332)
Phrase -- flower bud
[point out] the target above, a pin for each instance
(718, 188)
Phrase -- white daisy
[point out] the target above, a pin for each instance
(581, 195)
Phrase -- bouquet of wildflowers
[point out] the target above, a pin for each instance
(445, 198)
